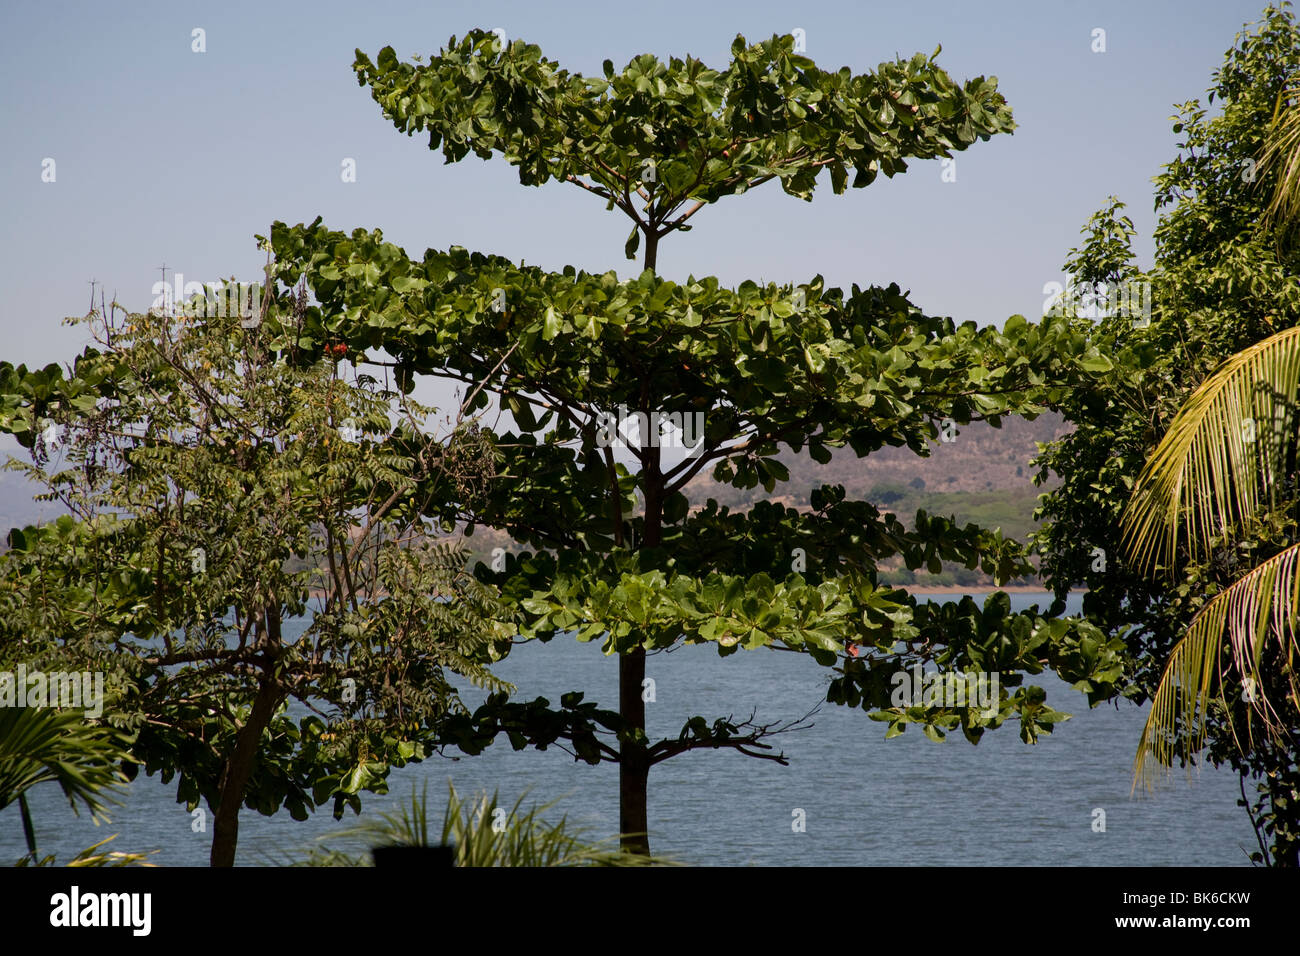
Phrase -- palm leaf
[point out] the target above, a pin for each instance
(1262, 607)
(480, 835)
(39, 745)
(89, 858)
(1282, 155)
(1224, 452)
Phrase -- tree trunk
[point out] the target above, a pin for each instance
(633, 765)
(633, 760)
(29, 831)
(235, 773)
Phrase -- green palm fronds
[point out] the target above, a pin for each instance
(1183, 697)
(1282, 155)
(486, 834)
(40, 745)
(1225, 459)
(482, 832)
(89, 858)
(1261, 608)
(1222, 457)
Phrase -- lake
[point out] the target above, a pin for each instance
(866, 800)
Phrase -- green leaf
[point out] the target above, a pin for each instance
(551, 324)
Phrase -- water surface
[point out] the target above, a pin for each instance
(866, 800)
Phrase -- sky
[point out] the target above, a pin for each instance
(164, 156)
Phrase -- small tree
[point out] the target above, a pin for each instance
(220, 490)
(575, 357)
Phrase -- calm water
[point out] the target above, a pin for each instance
(867, 800)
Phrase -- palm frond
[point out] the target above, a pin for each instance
(1281, 155)
(1262, 607)
(1181, 701)
(482, 833)
(39, 745)
(1224, 451)
(90, 858)
(486, 834)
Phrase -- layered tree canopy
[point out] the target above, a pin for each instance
(659, 140)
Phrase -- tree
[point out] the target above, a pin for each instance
(1221, 282)
(219, 489)
(615, 552)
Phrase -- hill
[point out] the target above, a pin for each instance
(983, 475)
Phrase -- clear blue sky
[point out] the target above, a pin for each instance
(166, 155)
